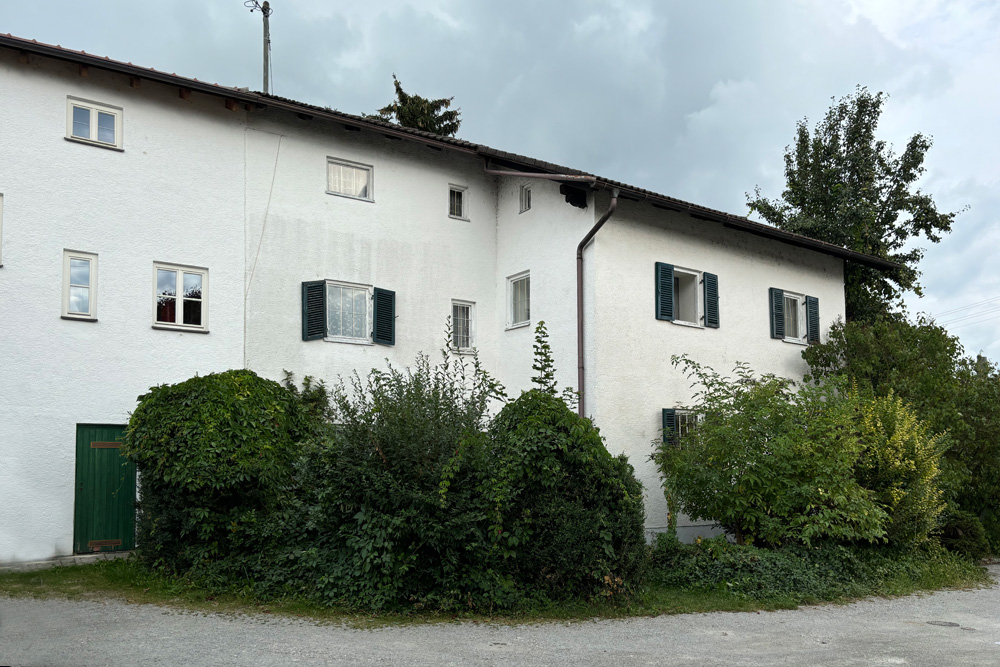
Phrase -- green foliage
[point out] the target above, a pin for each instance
(899, 463)
(797, 573)
(572, 517)
(543, 363)
(421, 113)
(922, 364)
(210, 451)
(848, 188)
(768, 464)
(392, 491)
(775, 466)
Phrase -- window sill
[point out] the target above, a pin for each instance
(693, 325)
(76, 318)
(465, 351)
(795, 341)
(457, 217)
(519, 325)
(349, 341)
(346, 196)
(110, 147)
(167, 327)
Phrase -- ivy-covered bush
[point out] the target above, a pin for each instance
(212, 452)
(572, 514)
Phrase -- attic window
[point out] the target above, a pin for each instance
(93, 123)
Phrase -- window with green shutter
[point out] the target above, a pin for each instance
(384, 329)
(710, 282)
(664, 291)
(686, 296)
(812, 318)
(794, 317)
(776, 297)
(313, 309)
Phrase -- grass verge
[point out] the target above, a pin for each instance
(127, 580)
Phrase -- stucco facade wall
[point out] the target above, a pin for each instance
(633, 376)
(403, 241)
(174, 194)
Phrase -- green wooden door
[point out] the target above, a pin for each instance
(105, 491)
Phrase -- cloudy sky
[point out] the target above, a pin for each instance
(696, 100)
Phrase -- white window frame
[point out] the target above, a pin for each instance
(330, 160)
(699, 299)
(369, 314)
(471, 305)
(464, 190)
(94, 108)
(525, 198)
(690, 418)
(181, 269)
(800, 307)
(511, 280)
(91, 315)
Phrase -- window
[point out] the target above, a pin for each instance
(686, 296)
(794, 317)
(456, 202)
(180, 297)
(525, 198)
(462, 325)
(348, 313)
(678, 422)
(93, 123)
(519, 298)
(349, 179)
(79, 286)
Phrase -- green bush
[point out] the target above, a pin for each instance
(211, 452)
(922, 364)
(963, 533)
(768, 464)
(796, 573)
(572, 519)
(899, 463)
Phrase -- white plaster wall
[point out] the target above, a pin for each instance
(543, 241)
(404, 241)
(174, 194)
(634, 378)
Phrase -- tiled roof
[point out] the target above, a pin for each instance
(520, 162)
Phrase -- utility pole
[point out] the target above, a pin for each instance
(264, 9)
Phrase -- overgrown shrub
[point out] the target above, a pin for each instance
(769, 464)
(922, 364)
(211, 452)
(572, 514)
(774, 465)
(899, 463)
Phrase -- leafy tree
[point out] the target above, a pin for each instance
(421, 113)
(846, 187)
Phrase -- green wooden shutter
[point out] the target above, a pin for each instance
(669, 425)
(384, 330)
(710, 282)
(777, 298)
(313, 309)
(664, 291)
(812, 318)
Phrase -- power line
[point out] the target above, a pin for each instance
(966, 317)
(995, 317)
(973, 305)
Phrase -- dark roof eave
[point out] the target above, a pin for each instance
(437, 141)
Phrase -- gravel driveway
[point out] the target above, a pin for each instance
(948, 628)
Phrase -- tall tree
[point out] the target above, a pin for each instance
(846, 187)
(421, 113)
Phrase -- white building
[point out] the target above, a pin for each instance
(153, 227)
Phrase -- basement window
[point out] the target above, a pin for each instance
(93, 123)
